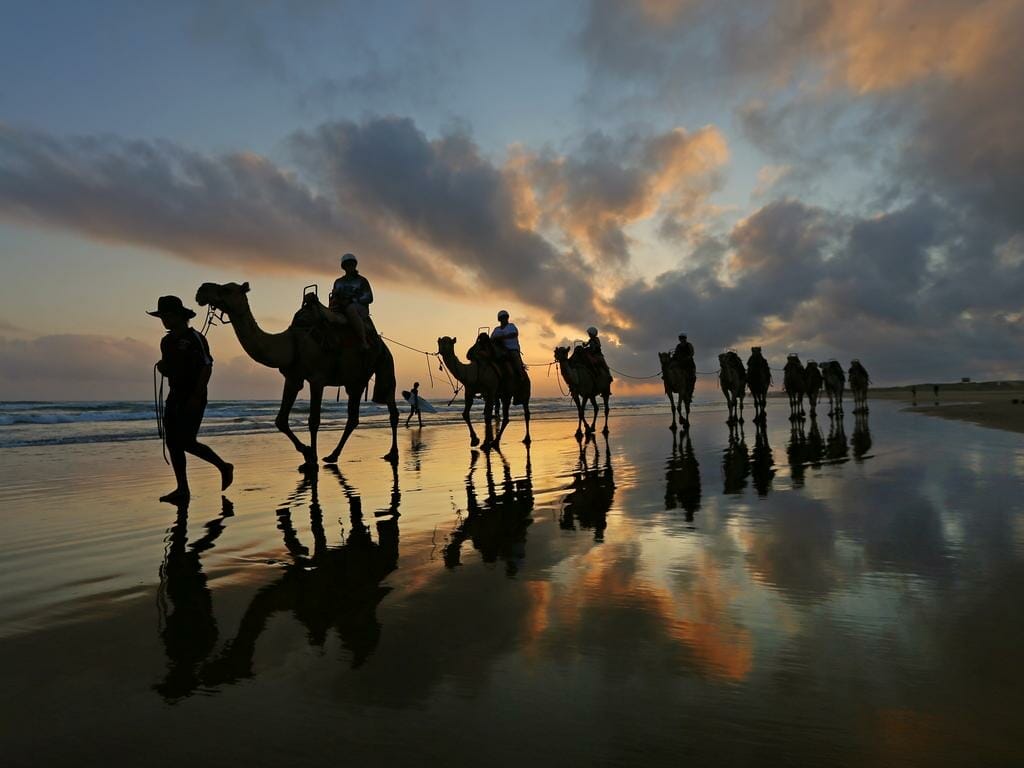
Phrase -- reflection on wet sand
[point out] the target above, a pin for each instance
(811, 450)
(762, 461)
(592, 492)
(682, 476)
(735, 462)
(861, 437)
(334, 588)
(497, 527)
(188, 627)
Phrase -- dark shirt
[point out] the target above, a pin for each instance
(757, 362)
(351, 288)
(183, 356)
(593, 345)
(684, 351)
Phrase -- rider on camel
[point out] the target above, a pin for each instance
(593, 356)
(683, 354)
(757, 361)
(352, 296)
(506, 342)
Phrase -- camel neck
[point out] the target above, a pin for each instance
(273, 350)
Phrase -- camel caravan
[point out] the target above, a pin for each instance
(337, 345)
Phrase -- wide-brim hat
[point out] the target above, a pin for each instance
(171, 306)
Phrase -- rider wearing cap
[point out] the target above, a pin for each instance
(506, 340)
(353, 296)
(757, 361)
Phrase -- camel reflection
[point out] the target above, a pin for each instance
(735, 462)
(334, 588)
(682, 477)
(861, 437)
(591, 494)
(188, 628)
(497, 527)
(762, 461)
(837, 449)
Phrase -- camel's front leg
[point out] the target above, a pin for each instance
(489, 403)
(505, 403)
(351, 422)
(526, 417)
(292, 387)
(592, 426)
(473, 439)
(392, 455)
(672, 405)
(579, 414)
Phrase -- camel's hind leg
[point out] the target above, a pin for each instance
(392, 455)
(351, 422)
(505, 403)
(592, 427)
(579, 414)
(489, 414)
(292, 387)
(473, 439)
(316, 397)
(526, 417)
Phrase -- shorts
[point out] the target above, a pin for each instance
(181, 424)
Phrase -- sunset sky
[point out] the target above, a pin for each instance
(832, 178)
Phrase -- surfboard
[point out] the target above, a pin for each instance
(425, 406)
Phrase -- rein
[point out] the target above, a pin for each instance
(158, 405)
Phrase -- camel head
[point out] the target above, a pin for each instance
(229, 297)
(722, 358)
(446, 345)
(665, 358)
(561, 354)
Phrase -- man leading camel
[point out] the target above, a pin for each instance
(353, 296)
(186, 362)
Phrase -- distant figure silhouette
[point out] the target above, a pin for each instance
(835, 382)
(812, 384)
(913, 395)
(679, 380)
(794, 379)
(935, 389)
(584, 386)
(414, 404)
(732, 378)
(859, 381)
(186, 362)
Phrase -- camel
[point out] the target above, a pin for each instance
(584, 386)
(302, 357)
(859, 381)
(484, 379)
(812, 385)
(835, 381)
(759, 379)
(732, 378)
(679, 381)
(795, 383)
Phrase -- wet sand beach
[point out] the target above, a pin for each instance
(845, 594)
(984, 407)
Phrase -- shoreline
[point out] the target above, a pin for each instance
(982, 407)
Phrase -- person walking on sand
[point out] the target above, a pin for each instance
(414, 402)
(352, 296)
(186, 362)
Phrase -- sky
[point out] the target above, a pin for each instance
(829, 178)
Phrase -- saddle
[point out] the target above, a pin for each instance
(330, 329)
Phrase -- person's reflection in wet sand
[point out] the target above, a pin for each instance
(188, 626)
(682, 477)
(591, 494)
(496, 528)
(797, 451)
(861, 439)
(735, 462)
(762, 461)
(416, 448)
(837, 449)
(337, 587)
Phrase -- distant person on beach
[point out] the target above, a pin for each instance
(186, 362)
(506, 338)
(935, 389)
(352, 296)
(414, 402)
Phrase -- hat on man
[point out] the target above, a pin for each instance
(591, 331)
(171, 306)
(347, 258)
(503, 313)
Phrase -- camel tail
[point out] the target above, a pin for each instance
(384, 380)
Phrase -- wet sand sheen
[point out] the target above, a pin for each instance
(810, 597)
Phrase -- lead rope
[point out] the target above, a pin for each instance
(158, 405)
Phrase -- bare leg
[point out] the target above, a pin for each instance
(352, 313)
(206, 453)
(392, 455)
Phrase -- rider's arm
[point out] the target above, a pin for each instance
(365, 293)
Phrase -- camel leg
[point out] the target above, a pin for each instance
(672, 405)
(686, 403)
(351, 422)
(526, 417)
(316, 397)
(505, 403)
(579, 414)
(392, 455)
(473, 439)
(292, 387)
(489, 402)
(593, 422)
(605, 430)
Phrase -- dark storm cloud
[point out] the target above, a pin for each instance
(427, 210)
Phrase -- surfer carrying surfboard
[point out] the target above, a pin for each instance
(414, 403)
